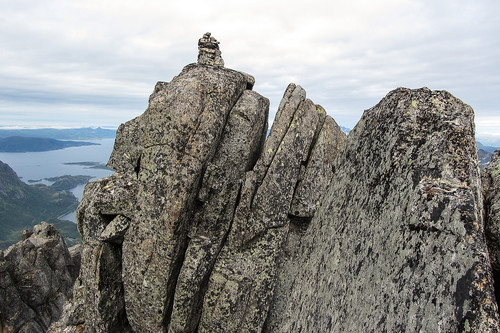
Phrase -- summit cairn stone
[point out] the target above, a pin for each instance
(209, 52)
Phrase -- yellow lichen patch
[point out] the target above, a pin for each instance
(476, 225)
(270, 150)
(414, 104)
(496, 171)
(481, 285)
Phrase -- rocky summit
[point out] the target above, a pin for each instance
(207, 225)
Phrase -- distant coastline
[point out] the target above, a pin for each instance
(22, 144)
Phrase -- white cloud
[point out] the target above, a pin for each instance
(347, 55)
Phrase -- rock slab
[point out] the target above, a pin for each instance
(397, 243)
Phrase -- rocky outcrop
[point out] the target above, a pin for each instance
(280, 192)
(491, 187)
(397, 243)
(207, 226)
(36, 278)
(189, 201)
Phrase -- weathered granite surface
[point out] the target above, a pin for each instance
(241, 287)
(491, 188)
(178, 168)
(241, 144)
(36, 278)
(207, 226)
(397, 244)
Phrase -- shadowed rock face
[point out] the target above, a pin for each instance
(36, 278)
(491, 187)
(207, 226)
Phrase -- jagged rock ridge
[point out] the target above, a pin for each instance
(207, 227)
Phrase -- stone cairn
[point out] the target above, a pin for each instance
(209, 53)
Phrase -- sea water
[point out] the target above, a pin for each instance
(40, 165)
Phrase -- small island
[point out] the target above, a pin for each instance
(90, 165)
(68, 182)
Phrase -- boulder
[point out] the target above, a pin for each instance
(36, 278)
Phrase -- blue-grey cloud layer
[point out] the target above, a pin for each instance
(95, 62)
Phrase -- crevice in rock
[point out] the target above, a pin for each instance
(137, 167)
(220, 135)
(174, 276)
(273, 151)
(421, 227)
(258, 152)
(496, 285)
(299, 224)
(107, 218)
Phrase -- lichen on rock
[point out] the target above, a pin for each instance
(397, 243)
(491, 188)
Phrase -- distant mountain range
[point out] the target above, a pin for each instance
(84, 133)
(486, 148)
(45, 139)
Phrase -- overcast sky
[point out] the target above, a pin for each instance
(94, 63)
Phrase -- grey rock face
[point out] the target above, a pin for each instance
(179, 167)
(397, 243)
(491, 188)
(218, 195)
(36, 278)
(241, 286)
(184, 125)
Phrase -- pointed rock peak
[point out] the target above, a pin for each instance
(208, 51)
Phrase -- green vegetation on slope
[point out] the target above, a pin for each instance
(22, 206)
